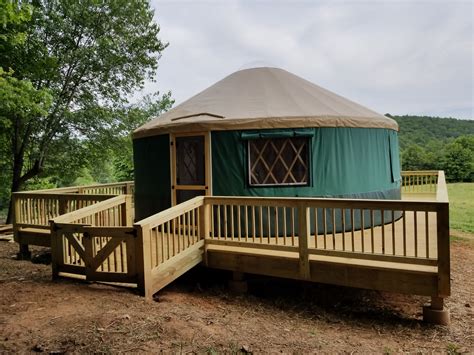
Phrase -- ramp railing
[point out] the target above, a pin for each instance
(169, 243)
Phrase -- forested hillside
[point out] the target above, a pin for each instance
(421, 129)
(434, 143)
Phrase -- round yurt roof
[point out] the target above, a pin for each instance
(263, 98)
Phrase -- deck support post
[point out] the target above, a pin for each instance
(238, 284)
(143, 248)
(436, 313)
(24, 253)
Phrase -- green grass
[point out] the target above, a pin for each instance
(461, 206)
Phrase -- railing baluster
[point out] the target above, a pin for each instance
(254, 226)
(316, 227)
(372, 239)
(219, 221)
(239, 224)
(427, 235)
(343, 220)
(352, 229)
(174, 233)
(232, 232)
(225, 221)
(333, 222)
(404, 233)
(292, 226)
(268, 224)
(324, 228)
(246, 223)
(261, 223)
(284, 226)
(382, 218)
(416, 232)
(362, 227)
(393, 232)
(276, 225)
(168, 239)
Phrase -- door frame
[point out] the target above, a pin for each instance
(207, 187)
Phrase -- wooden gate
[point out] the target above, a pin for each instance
(95, 253)
(96, 243)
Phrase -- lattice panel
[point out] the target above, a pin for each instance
(278, 161)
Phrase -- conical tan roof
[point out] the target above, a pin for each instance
(263, 98)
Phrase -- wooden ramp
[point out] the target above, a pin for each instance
(173, 268)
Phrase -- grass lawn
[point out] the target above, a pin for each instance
(461, 203)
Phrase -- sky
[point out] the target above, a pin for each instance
(397, 57)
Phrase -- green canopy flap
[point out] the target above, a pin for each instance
(287, 133)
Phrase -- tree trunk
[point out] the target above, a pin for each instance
(16, 184)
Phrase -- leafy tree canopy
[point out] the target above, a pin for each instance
(89, 56)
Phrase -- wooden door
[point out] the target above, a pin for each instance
(190, 160)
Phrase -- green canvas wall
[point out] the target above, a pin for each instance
(345, 162)
(151, 156)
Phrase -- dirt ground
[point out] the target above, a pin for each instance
(197, 314)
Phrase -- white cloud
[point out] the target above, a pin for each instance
(393, 56)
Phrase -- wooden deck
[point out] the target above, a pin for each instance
(408, 252)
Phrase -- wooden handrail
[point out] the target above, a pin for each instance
(76, 189)
(171, 213)
(50, 196)
(90, 210)
(397, 205)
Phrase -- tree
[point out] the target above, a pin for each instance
(90, 55)
(20, 101)
(413, 158)
(134, 116)
(459, 159)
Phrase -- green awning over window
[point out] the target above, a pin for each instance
(286, 133)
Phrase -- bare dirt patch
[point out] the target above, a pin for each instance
(198, 314)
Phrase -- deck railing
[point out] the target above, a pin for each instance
(114, 188)
(391, 231)
(162, 238)
(424, 182)
(34, 209)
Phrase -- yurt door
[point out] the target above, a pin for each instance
(190, 159)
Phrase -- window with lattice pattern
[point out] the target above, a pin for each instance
(278, 161)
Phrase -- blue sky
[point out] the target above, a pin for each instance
(400, 57)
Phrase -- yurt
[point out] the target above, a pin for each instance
(265, 132)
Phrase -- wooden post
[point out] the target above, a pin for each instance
(205, 223)
(304, 235)
(238, 284)
(143, 248)
(442, 222)
(436, 313)
(126, 213)
(24, 252)
(87, 243)
(56, 247)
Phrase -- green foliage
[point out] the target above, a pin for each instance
(135, 116)
(421, 130)
(13, 17)
(432, 143)
(89, 56)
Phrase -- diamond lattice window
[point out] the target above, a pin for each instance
(278, 161)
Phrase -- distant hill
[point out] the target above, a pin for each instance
(420, 130)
